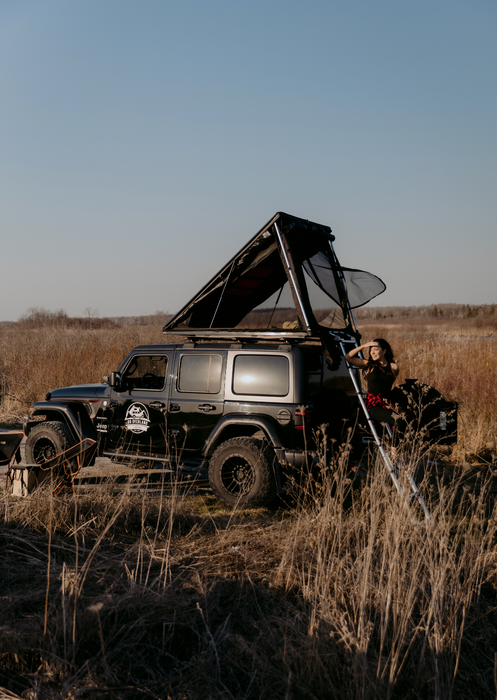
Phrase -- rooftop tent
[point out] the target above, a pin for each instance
(287, 276)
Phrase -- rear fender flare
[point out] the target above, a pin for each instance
(258, 422)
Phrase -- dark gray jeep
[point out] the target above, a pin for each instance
(260, 368)
(245, 410)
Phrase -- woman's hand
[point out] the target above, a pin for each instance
(352, 359)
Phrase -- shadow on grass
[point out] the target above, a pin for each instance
(337, 596)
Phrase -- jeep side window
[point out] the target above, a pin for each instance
(261, 375)
(313, 372)
(200, 373)
(145, 372)
(320, 379)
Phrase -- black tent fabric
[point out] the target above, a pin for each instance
(287, 251)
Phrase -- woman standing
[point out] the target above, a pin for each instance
(381, 371)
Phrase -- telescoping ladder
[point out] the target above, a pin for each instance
(393, 466)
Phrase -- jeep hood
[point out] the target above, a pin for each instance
(81, 391)
(286, 277)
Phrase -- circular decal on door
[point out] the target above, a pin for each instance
(137, 419)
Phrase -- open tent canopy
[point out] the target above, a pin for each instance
(287, 278)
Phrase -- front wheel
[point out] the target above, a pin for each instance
(241, 472)
(47, 440)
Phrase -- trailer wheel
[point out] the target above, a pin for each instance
(48, 440)
(241, 472)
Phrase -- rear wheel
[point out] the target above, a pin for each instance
(48, 440)
(241, 472)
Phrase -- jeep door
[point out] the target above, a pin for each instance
(196, 400)
(138, 406)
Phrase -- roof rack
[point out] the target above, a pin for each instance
(232, 334)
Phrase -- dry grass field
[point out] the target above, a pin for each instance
(455, 353)
(334, 594)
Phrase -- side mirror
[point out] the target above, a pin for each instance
(114, 379)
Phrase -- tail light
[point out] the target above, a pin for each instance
(303, 418)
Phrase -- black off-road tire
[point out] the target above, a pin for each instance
(241, 473)
(47, 440)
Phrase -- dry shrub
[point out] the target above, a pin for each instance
(142, 594)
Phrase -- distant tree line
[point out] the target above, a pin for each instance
(446, 311)
(39, 317)
(266, 318)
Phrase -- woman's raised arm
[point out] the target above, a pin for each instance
(352, 358)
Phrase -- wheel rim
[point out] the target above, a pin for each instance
(237, 475)
(44, 450)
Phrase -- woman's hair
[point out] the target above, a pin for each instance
(385, 346)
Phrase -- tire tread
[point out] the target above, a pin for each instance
(61, 437)
(261, 458)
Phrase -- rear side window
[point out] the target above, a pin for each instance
(261, 375)
(313, 369)
(200, 374)
(319, 378)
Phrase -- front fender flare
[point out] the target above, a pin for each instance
(72, 413)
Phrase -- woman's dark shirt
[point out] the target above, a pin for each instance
(379, 382)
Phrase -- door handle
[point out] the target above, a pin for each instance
(157, 404)
(206, 407)
(174, 407)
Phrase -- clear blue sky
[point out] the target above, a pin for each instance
(142, 143)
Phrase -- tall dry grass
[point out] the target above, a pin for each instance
(139, 595)
(451, 354)
(36, 360)
(122, 593)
